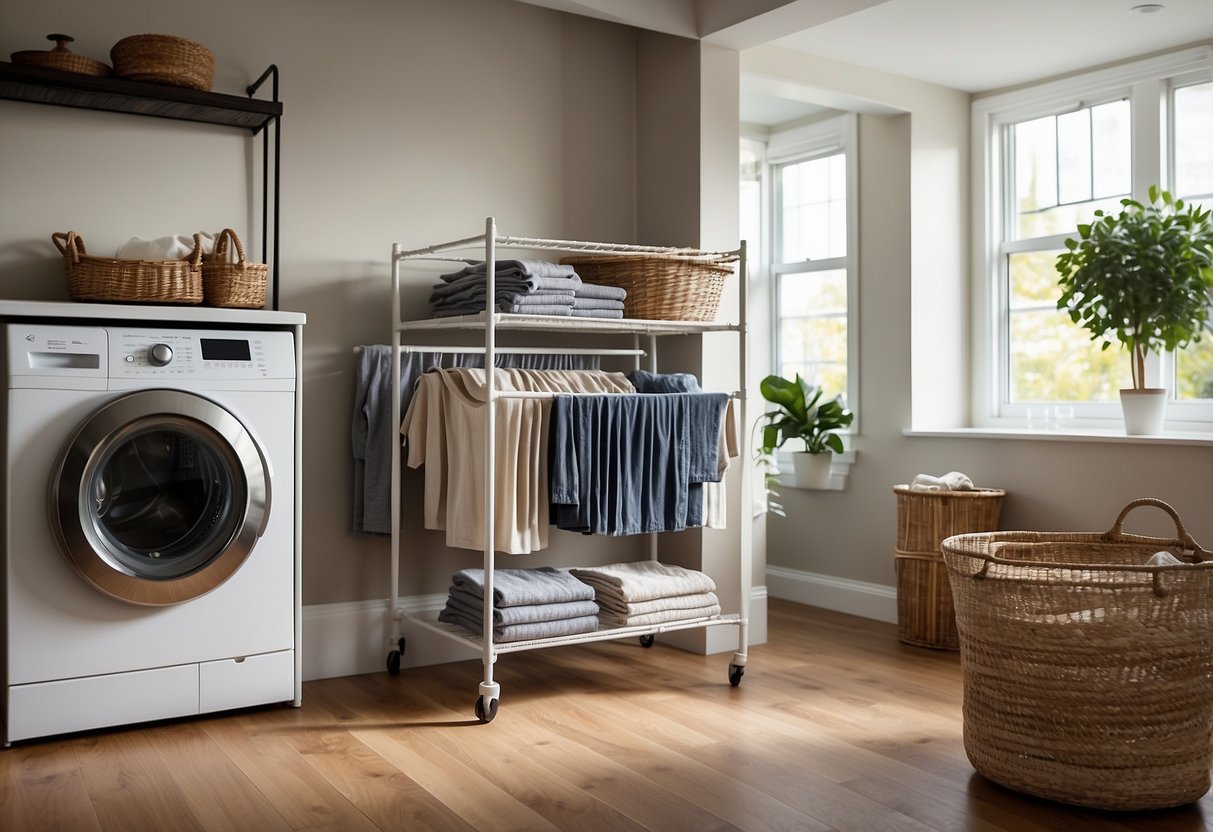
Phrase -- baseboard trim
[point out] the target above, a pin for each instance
(348, 639)
(868, 600)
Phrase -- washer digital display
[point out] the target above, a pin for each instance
(225, 349)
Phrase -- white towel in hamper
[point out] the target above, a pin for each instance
(643, 580)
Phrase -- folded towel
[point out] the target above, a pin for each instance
(951, 481)
(597, 290)
(519, 286)
(175, 247)
(473, 605)
(517, 587)
(517, 269)
(644, 580)
(612, 314)
(512, 309)
(660, 617)
(580, 302)
(614, 605)
(523, 632)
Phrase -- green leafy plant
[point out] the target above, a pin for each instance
(801, 415)
(1141, 277)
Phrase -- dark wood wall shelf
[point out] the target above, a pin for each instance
(66, 89)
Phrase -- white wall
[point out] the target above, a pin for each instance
(836, 548)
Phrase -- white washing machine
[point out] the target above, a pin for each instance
(149, 555)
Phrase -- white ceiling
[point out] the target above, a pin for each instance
(971, 45)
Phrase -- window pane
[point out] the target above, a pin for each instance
(1052, 358)
(1069, 165)
(813, 328)
(1194, 371)
(1194, 141)
(813, 209)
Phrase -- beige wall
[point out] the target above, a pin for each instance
(913, 310)
(404, 122)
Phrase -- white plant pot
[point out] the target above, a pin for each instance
(811, 470)
(1144, 410)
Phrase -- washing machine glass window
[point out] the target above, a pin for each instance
(159, 497)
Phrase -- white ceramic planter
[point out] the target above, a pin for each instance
(1144, 410)
(811, 470)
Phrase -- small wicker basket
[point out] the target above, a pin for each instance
(926, 616)
(660, 287)
(129, 281)
(61, 58)
(1088, 669)
(163, 59)
(238, 285)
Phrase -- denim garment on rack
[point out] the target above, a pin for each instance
(624, 465)
(371, 431)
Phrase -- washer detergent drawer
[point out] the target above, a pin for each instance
(46, 708)
(252, 680)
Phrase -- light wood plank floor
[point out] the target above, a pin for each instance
(836, 725)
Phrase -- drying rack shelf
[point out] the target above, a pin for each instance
(487, 324)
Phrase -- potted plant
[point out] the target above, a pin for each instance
(1141, 278)
(802, 415)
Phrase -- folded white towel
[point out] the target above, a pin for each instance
(951, 481)
(175, 247)
(644, 580)
(1163, 559)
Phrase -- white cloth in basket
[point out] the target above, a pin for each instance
(174, 247)
(951, 481)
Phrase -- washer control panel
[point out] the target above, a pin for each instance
(177, 354)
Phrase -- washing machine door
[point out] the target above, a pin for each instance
(159, 497)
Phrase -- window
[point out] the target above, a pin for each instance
(1052, 156)
(813, 247)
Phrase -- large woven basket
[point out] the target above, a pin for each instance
(925, 613)
(660, 287)
(129, 281)
(163, 59)
(1088, 673)
(240, 284)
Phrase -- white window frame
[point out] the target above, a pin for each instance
(827, 137)
(1148, 85)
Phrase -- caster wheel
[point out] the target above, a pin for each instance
(647, 641)
(735, 674)
(393, 658)
(486, 714)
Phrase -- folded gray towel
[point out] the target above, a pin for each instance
(520, 286)
(597, 290)
(512, 308)
(524, 632)
(516, 268)
(472, 605)
(614, 314)
(580, 302)
(517, 587)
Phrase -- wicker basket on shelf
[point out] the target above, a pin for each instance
(1087, 663)
(925, 614)
(129, 281)
(163, 59)
(660, 287)
(240, 284)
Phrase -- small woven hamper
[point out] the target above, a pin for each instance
(925, 614)
(129, 281)
(660, 287)
(1088, 672)
(239, 285)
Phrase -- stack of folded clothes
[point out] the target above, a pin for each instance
(525, 287)
(527, 603)
(648, 592)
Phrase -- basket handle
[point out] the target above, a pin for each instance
(1182, 538)
(225, 237)
(70, 244)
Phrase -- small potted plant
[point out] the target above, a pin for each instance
(1141, 278)
(802, 415)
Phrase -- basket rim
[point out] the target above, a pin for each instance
(965, 492)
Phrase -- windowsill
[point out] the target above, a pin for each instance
(1107, 435)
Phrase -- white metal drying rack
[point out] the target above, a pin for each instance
(490, 321)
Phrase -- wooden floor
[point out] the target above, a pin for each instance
(836, 725)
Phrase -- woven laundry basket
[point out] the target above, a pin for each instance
(238, 285)
(925, 614)
(660, 287)
(1088, 673)
(129, 281)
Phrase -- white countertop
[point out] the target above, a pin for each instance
(146, 313)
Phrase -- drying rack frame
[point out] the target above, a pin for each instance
(490, 322)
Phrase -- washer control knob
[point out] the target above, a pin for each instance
(159, 355)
